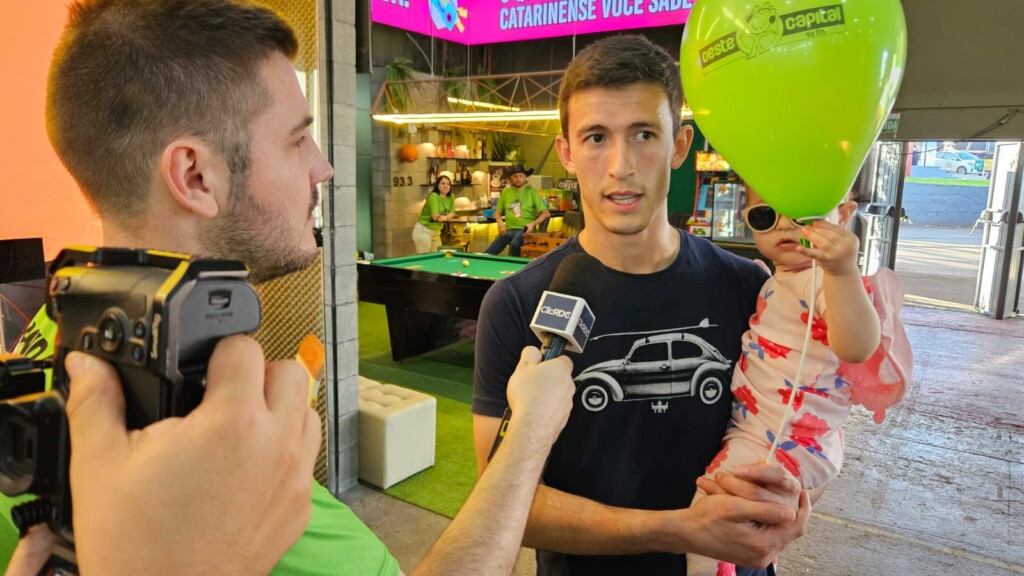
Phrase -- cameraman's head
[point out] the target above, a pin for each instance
(183, 123)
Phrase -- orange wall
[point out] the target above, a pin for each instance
(37, 196)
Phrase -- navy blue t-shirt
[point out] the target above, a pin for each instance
(653, 395)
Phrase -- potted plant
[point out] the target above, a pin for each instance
(399, 70)
(505, 148)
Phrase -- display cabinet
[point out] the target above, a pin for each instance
(720, 199)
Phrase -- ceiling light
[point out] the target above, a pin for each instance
(515, 115)
(477, 104)
(462, 117)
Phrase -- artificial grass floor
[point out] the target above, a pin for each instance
(446, 374)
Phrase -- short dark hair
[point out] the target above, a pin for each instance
(129, 76)
(619, 61)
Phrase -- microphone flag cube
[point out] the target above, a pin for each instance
(561, 315)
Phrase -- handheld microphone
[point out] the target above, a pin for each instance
(563, 319)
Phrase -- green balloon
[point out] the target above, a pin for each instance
(792, 93)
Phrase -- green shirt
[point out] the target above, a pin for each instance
(520, 206)
(335, 540)
(436, 205)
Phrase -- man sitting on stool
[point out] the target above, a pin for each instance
(526, 209)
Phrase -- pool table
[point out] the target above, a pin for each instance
(429, 297)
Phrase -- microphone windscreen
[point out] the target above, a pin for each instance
(579, 275)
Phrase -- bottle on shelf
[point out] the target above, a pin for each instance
(478, 152)
(458, 175)
(467, 178)
(433, 174)
(450, 149)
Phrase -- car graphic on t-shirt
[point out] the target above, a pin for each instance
(659, 366)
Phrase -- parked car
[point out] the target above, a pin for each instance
(983, 149)
(658, 366)
(959, 162)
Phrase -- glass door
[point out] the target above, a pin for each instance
(881, 223)
(1002, 242)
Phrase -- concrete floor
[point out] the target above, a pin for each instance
(938, 488)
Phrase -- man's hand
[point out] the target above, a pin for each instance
(529, 227)
(32, 552)
(540, 395)
(223, 490)
(751, 516)
(757, 482)
(743, 532)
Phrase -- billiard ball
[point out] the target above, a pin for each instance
(465, 262)
(447, 253)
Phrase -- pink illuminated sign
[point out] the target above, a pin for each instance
(491, 21)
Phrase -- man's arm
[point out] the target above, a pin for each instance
(499, 221)
(32, 552)
(544, 215)
(485, 536)
(749, 532)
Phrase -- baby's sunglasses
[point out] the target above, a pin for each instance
(763, 218)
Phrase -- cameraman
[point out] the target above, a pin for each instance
(184, 125)
(225, 490)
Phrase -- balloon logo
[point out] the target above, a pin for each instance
(793, 93)
(763, 33)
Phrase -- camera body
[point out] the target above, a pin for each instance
(156, 317)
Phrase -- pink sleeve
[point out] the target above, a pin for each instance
(880, 381)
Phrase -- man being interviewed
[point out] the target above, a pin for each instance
(653, 398)
(520, 209)
(183, 123)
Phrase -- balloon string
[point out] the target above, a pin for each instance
(800, 367)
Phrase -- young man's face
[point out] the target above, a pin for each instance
(622, 146)
(269, 220)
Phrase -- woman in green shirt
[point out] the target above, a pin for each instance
(438, 208)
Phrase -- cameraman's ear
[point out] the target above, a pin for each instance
(195, 175)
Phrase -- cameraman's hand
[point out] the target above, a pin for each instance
(224, 490)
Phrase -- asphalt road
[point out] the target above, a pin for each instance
(938, 264)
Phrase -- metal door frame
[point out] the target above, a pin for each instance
(1008, 247)
(877, 212)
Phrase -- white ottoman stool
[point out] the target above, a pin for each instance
(365, 383)
(396, 432)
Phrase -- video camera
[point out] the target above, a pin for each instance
(156, 317)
